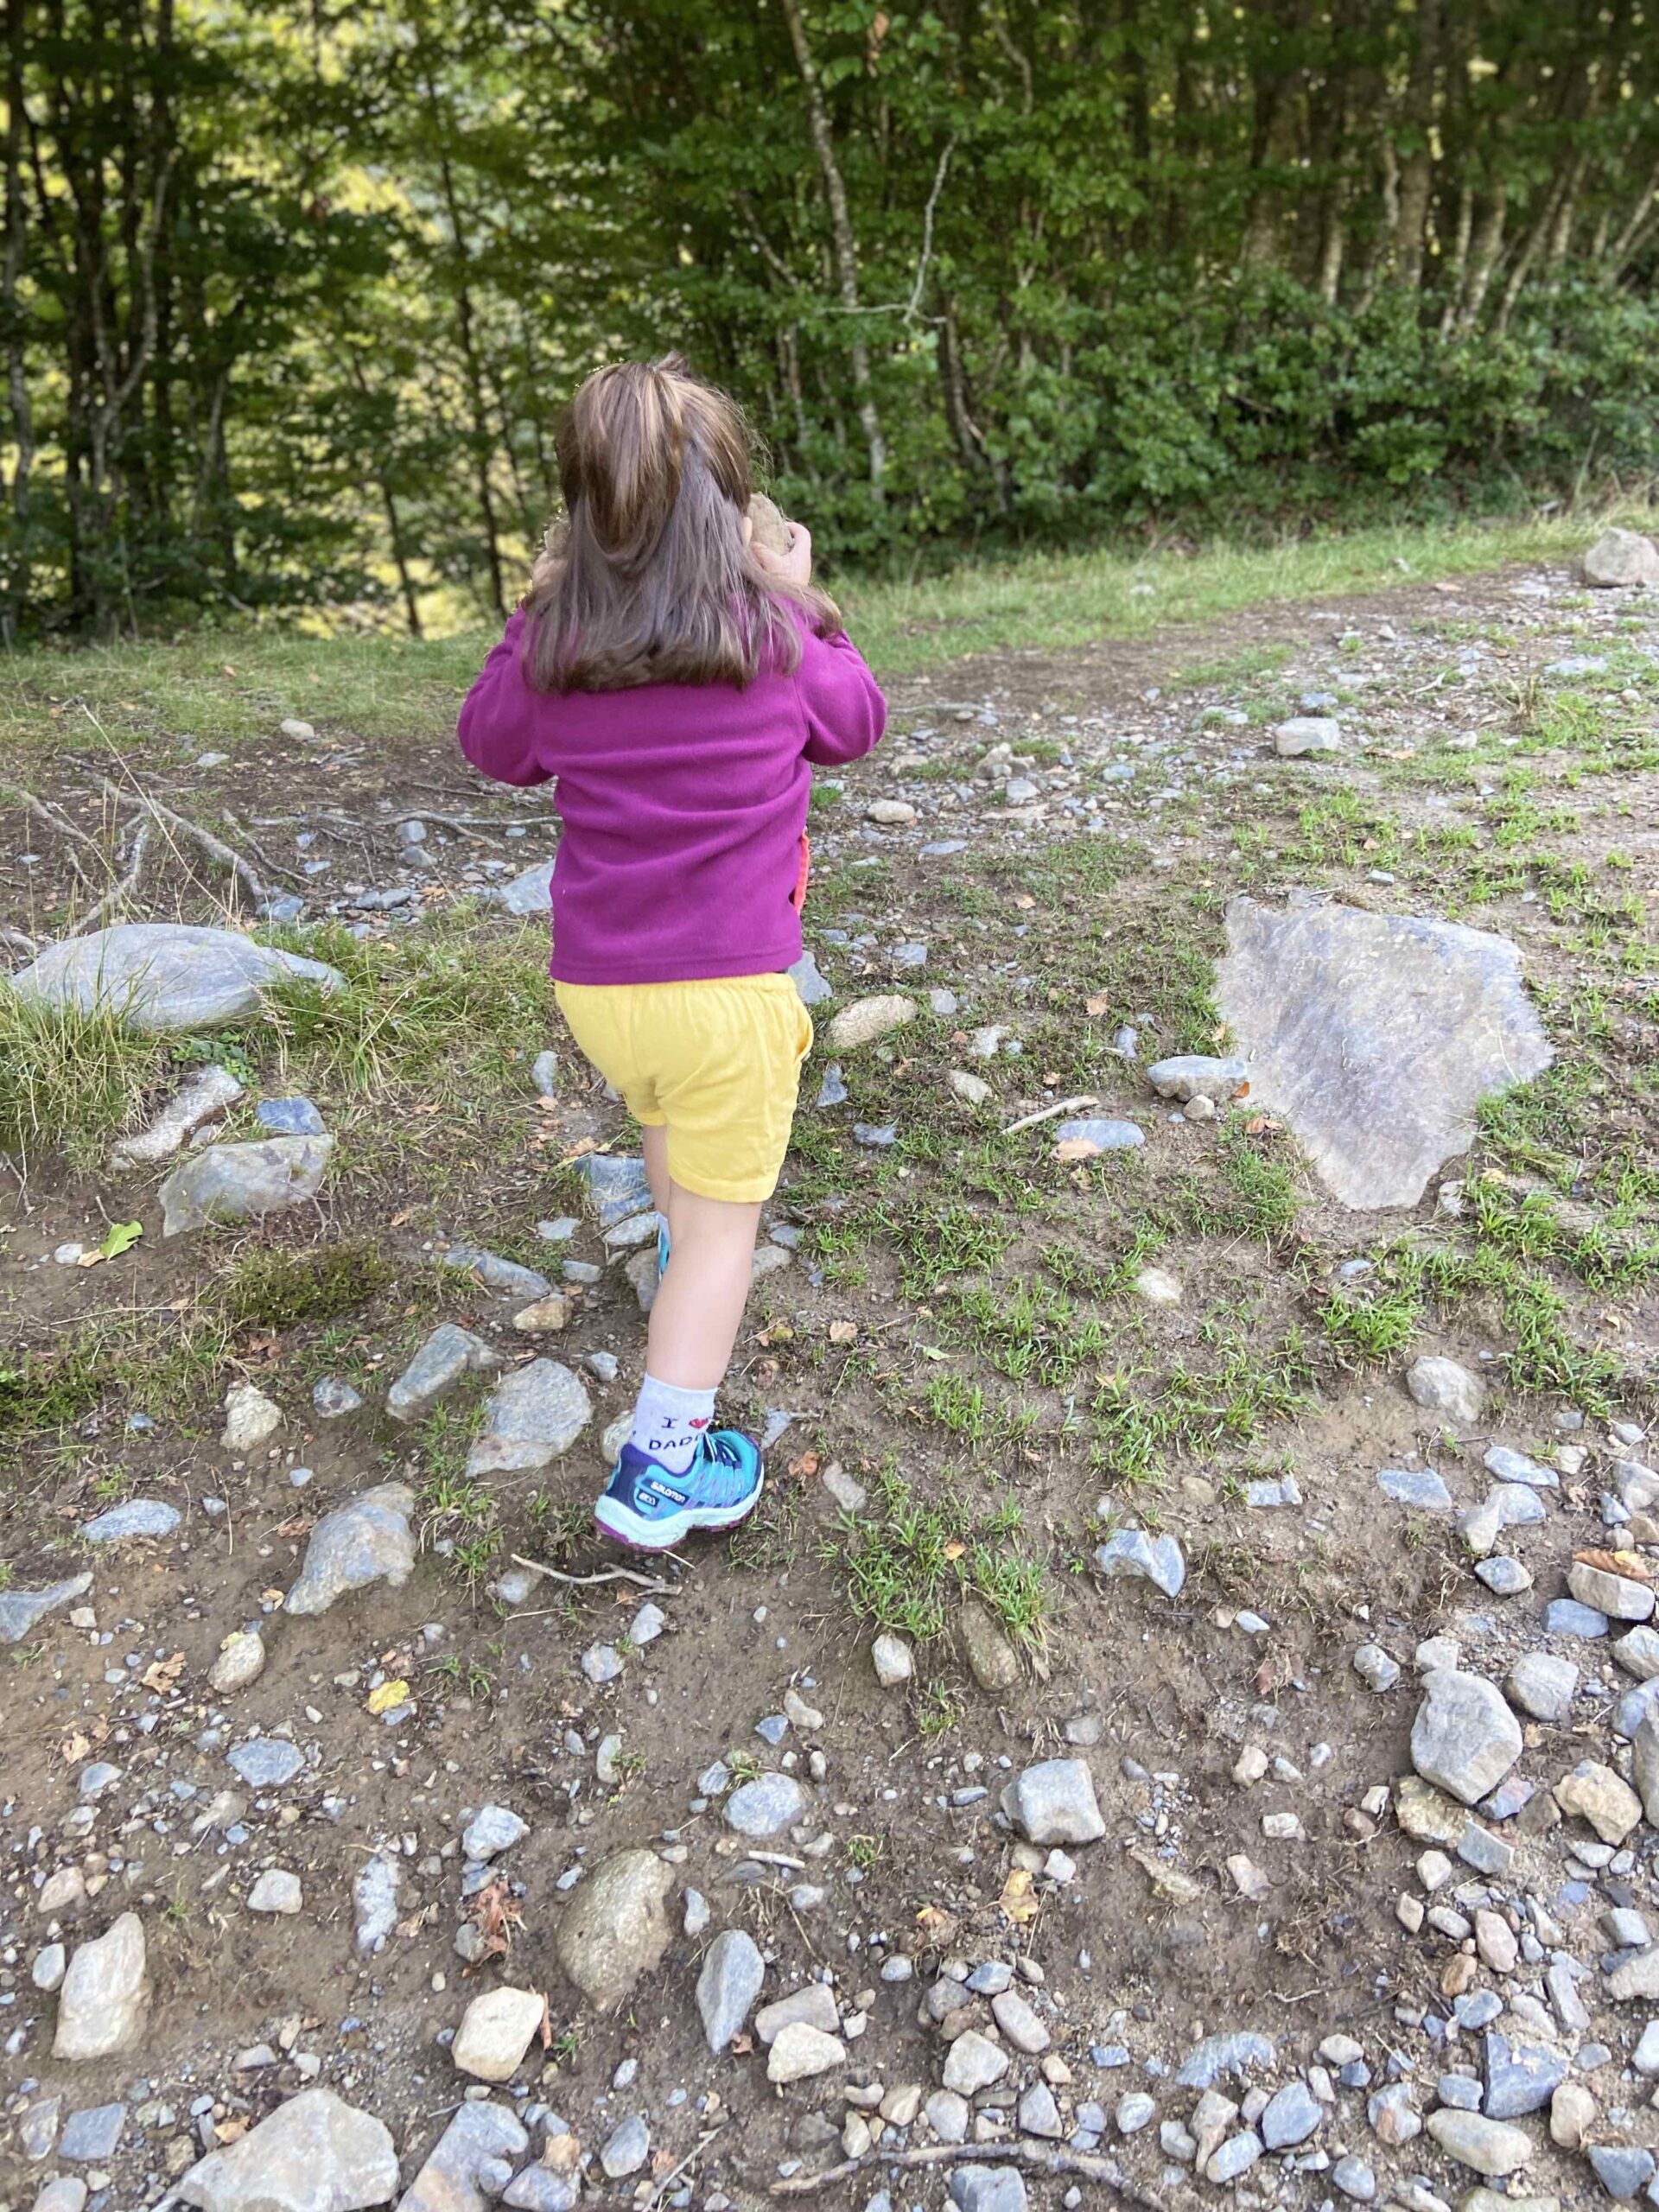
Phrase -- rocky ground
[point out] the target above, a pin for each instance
(1181, 1726)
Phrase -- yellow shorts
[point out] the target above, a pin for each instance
(717, 1062)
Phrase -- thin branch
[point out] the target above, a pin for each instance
(605, 1575)
(1063, 1106)
(914, 308)
(1040, 2158)
(215, 848)
(18, 942)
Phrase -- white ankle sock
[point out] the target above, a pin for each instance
(669, 1423)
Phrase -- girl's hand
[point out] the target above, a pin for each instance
(796, 565)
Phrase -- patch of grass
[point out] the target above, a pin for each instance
(1252, 1192)
(1137, 1429)
(903, 1562)
(69, 1080)
(1029, 1331)
(281, 1288)
(154, 1362)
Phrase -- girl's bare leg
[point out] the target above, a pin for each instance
(654, 1144)
(700, 1301)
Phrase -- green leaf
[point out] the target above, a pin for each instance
(123, 1236)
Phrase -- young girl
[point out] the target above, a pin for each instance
(677, 680)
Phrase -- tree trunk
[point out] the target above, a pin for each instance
(1417, 171)
(842, 240)
(14, 585)
(1484, 256)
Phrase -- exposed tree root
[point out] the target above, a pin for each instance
(1037, 2157)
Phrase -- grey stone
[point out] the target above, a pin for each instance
(812, 985)
(1038, 2114)
(988, 2189)
(1355, 2179)
(544, 1074)
(992, 1660)
(1636, 1652)
(63, 2193)
(616, 1926)
(813, 2005)
(1504, 1577)
(190, 1106)
(1644, 1767)
(1217, 2054)
(47, 1969)
(1518, 2080)
(767, 1807)
(450, 2179)
(1290, 2117)
(1464, 1738)
(374, 1904)
(1376, 1036)
(1514, 1467)
(496, 2030)
(276, 1892)
(617, 1186)
(1444, 1387)
(37, 2126)
(948, 2115)
(833, 1090)
(1619, 1596)
(1621, 2168)
(290, 1118)
(315, 2153)
(1542, 1686)
(1305, 733)
(492, 1830)
(22, 1609)
(229, 1183)
(504, 1276)
(138, 1517)
(1235, 2156)
(1054, 1803)
(163, 976)
(1374, 1668)
(92, 2135)
(104, 2004)
(733, 1971)
(528, 893)
(447, 1354)
(367, 1540)
(1196, 1075)
(891, 1657)
(1101, 1136)
(1489, 2146)
(1018, 2023)
(1566, 1617)
(1419, 1487)
(266, 1762)
(534, 1414)
(240, 1662)
(250, 1417)
(1156, 1559)
(1621, 557)
(799, 2051)
(973, 2063)
(539, 2189)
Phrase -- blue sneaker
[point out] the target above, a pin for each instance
(662, 1248)
(646, 1506)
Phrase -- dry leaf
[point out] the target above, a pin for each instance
(1630, 1565)
(75, 1748)
(388, 1696)
(1024, 901)
(1168, 1881)
(938, 1926)
(844, 1333)
(955, 1548)
(1076, 1149)
(806, 1466)
(1097, 1002)
(1019, 1898)
(164, 1672)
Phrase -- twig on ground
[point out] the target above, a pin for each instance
(55, 820)
(468, 824)
(605, 1575)
(193, 832)
(18, 942)
(689, 2159)
(1040, 2158)
(1060, 1106)
(118, 893)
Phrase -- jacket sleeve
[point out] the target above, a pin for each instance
(845, 711)
(498, 726)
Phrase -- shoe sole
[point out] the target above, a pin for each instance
(638, 1534)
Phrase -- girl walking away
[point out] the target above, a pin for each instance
(678, 680)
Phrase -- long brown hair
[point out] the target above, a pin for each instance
(646, 577)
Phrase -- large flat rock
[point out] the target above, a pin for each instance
(164, 975)
(1376, 1036)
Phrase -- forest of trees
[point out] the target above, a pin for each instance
(292, 292)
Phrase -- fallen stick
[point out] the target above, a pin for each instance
(1063, 1106)
(215, 848)
(18, 942)
(605, 1575)
(1040, 2158)
(118, 893)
